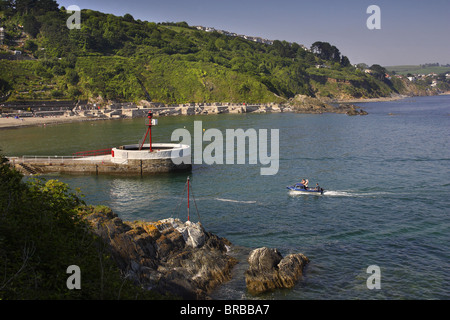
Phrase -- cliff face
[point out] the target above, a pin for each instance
(412, 90)
(168, 256)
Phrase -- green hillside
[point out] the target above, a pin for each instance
(123, 59)
(417, 69)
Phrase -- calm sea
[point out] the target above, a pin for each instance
(387, 198)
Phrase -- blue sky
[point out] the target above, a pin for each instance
(412, 31)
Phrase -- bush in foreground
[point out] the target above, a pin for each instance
(42, 233)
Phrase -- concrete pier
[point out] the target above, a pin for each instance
(124, 160)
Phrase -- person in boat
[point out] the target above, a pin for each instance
(317, 187)
(306, 184)
(302, 184)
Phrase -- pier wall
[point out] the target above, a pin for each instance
(132, 167)
(178, 110)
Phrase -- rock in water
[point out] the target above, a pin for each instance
(268, 270)
(264, 259)
(193, 233)
(290, 269)
(167, 256)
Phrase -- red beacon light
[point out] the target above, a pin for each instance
(149, 130)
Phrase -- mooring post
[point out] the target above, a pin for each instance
(188, 196)
(150, 115)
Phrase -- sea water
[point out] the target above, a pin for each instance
(386, 202)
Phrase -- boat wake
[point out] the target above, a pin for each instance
(337, 193)
(299, 193)
(235, 201)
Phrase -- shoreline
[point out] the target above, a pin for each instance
(364, 100)
(13, 123)
(141, 112)
(384, 99)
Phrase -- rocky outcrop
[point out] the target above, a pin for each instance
(352, 110)
(305, 104)
(183, 260)
(268, 270)
(167, 256)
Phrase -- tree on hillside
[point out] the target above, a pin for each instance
(72, 77)
(378, 71)
(23, 6)
(7, 7)
(30, 45)
(43, 6)
(345, 62)
(4, 86)
(31, 25)
(285, 49)
(33, 6)
(377, 68)
(128, 17)
(335, 54)
(362, 66)
(326, 51)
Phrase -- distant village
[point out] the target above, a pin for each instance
(422, 77)
(416, 77)
(432, 76)
(232, 34)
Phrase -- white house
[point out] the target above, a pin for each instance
(2, 35)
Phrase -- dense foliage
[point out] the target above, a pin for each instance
(120, 58)
(42, 233)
